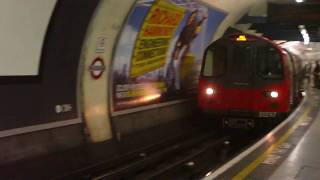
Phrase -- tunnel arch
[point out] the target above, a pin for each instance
(95, 76)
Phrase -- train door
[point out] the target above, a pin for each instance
(241, 77)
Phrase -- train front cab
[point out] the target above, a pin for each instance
(245, 76)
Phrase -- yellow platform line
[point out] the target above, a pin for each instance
(253, 165)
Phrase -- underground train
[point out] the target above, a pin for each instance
(247, 79)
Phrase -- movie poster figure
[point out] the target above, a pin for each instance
(181, 49)
(316, 75)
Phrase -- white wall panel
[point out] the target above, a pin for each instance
(100, 40)
(23, 26)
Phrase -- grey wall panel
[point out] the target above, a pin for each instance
(133, 122)
(29, 145)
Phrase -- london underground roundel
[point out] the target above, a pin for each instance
(97, 68)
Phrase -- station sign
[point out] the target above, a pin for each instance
(97, 68)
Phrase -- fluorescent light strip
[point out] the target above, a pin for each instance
(305, 35)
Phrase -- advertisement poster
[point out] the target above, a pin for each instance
(159, 52)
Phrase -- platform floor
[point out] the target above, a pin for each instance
(303, 163)
(291, 151)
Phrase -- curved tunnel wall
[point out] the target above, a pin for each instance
(236, 10)
(140, 88)
(95, 66)
(56, 100)
(173, 103)
(136, 77)
(157, 61)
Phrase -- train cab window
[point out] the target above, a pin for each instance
(215, 61)
(241, 61)
(269, 64)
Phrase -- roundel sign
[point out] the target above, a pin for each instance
(96, 68)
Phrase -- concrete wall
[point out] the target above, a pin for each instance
(39, 143)
(133, 122)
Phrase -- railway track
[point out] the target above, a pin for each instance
(183, 157)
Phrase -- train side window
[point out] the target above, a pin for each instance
(269, 63)
(215, 61)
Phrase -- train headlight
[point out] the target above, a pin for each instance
(210, 91)
(274, 94)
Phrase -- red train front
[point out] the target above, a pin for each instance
(246, 76)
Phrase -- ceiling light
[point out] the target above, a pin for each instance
(305, 35)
